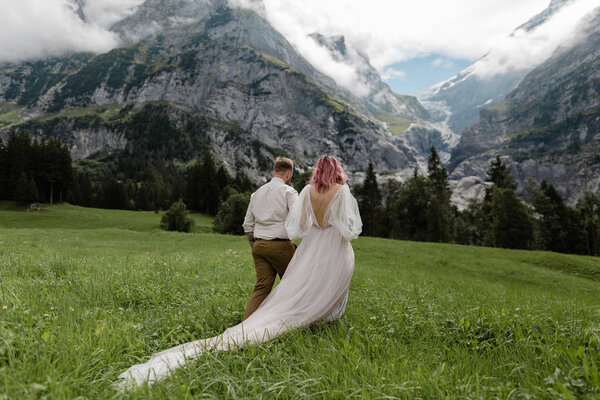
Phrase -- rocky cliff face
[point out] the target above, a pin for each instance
(549, 126)
(211, 75)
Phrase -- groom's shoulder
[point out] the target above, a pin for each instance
(263, 187)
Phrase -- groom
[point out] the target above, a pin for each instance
(265, 227)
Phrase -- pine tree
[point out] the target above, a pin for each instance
(114, 195)
(300, 179)
(19, 160)
(82, 193)
(26, 190)
(390, 192)
(589, 209)
(499, 175)
(62, 166)
(192, 187)
(4, 168)
(407, 215)
(209, 190)
(561, 228)
(223, 180)
(202, 189)
(553, 217)
(490, 225)
(512, 226)
(467, 224)
(242, 182)
(439, 215)
(369, 202)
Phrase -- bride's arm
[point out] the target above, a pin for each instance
(297, 218)
(303, 210)
(345, 215)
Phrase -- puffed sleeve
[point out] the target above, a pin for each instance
(299, 219)
(344, 214)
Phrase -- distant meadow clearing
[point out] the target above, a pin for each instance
(85, 293)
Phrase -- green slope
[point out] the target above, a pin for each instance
(89, 292)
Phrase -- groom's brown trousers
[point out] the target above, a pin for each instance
(271, 257)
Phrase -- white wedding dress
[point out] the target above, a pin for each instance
(314, 287)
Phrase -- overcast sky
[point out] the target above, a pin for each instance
(412, 43)
(415, 44)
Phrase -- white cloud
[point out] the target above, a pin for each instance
(31, 29)
(391, 73)
(388, 31)
(525, 50)
(442, 63)
(107, 12)
(396, 31)
(346, 73)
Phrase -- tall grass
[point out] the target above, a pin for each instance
(85, 293)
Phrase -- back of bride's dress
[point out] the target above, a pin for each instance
(314, 287)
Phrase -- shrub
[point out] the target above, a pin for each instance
(232, 211)
(176, 218)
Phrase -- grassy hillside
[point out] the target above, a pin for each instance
(85, 293)
(65, 216)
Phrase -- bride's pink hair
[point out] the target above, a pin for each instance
(327, 173)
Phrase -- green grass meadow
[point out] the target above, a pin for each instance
(85, 293)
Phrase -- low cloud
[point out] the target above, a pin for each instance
(442, 63)
(33, 29)
(106, 12)
(525, 50)
(389, 32)
(346, 73)
(392, 32)
(391, 73)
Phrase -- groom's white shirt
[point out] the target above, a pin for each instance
(268, 209)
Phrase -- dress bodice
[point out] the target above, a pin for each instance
(319, 204)
(336, 207)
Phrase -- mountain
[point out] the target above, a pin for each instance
(78, 7)
(458, 100)
(548, 127)
(402, 115)
(380, 99)
(196, 75)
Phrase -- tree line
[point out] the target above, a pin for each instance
(42, 171)
(417, 209)
(420, 209)
(32, 171)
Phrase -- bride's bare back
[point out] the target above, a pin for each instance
(320, 202)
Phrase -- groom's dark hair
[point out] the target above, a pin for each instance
(282, 164)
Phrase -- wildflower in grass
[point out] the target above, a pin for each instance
(5, 307)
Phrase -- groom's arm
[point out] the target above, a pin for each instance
(249, 222)
(291, 195)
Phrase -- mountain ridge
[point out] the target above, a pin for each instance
(459, 99)
(548, 127)
(216, 68)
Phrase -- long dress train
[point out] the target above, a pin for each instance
(314, 287)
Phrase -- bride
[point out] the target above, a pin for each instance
(313, 289)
